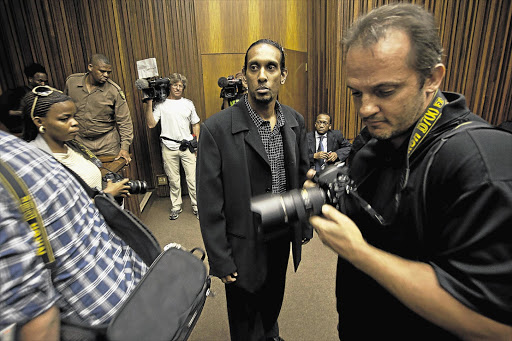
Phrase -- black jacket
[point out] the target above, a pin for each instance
(232, 167)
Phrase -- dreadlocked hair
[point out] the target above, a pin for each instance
(43, 104)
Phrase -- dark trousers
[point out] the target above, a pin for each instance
(253, 316)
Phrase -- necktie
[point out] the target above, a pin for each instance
(319, 162)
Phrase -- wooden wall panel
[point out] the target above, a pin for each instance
(294, 92)
(230, 26)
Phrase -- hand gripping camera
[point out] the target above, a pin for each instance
(136, 186)
(300, 204)
(231, 86)
(155, 88)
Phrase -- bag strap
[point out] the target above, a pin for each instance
(471, 125)
(123, 223)
(167, 138)
(19, 190)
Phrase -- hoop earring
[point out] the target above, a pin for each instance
(42, 129)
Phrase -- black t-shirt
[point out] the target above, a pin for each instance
(460, 229)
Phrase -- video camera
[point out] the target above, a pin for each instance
(231, 87)
(136, 186)
(299, 204)
(155, 88)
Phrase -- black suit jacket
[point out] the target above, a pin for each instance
(335, 143)
(232, 167)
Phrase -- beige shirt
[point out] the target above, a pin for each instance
(103, 115)
(87, 170)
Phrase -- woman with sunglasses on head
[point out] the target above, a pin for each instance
(49, 123)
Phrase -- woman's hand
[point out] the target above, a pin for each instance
(118, 189)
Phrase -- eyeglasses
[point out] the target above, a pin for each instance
(40, 91)
(322, 123)
(178, 86)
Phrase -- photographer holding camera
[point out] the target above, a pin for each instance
(177, 114)
(233, 88)
(428, 257)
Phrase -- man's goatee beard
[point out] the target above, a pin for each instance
(263, 100)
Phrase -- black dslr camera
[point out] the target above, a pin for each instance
(155, 88)
(231, 87)
(190, 145)
(300, 204)
(136, 186)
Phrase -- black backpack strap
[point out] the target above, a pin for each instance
(471, 125)
(19, 190)
(123, 223)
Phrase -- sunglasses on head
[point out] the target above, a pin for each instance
(41, 91)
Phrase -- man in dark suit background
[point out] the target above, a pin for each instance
(325, 145)
(254, 147)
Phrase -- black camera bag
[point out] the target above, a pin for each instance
(168, 300)
(171, 295)
(184, 144)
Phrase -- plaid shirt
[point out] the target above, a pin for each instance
(273, 143)
(95, 270)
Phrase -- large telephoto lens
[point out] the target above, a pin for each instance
(297, 204)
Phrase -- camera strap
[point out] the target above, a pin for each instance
(84, 151)
(19, 190)
(169, 139)
(422, 128)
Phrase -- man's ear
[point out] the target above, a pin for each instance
(433, 82)
(284, 74)
(89, 67)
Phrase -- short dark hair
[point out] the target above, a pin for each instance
(99, 58)
(178, 77)
(34, 68)
(269, 42)
(416, 22)
(323, 113)
(41, 108)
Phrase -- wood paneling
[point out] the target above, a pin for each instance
(230, 26)
(294, 92)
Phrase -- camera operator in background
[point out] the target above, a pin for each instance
(233, 88)
(430, 257)
(177, 115)
(50, 125)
